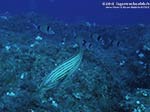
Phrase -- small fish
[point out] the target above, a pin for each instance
(45, 28)
(97, 41)
(64, 70)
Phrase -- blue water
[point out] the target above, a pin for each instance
(79, 10)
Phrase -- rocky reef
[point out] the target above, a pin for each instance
(114, 75)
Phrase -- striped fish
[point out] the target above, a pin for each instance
(64, 70)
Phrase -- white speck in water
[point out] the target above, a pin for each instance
(10, 94)
(127, 97)
(141, 62)
(32, 45)
(32, 110)
(145, 94)
(122, 63)
(7, 48)
(75, 46)
(141, 55)
(63, 43)
(137, 102)
(78, 95)
(38, 38)
(23, 75)
(54, 103)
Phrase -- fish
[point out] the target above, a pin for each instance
(44, 28)
(93, 42)
(64, 70)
